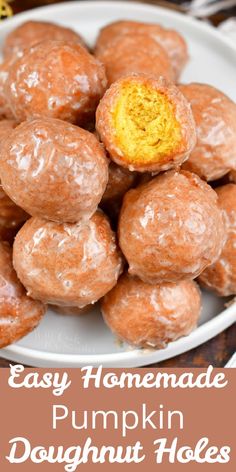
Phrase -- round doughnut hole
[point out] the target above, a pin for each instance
(145, 122)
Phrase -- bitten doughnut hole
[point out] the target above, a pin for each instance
(145, 123)
(19, 314)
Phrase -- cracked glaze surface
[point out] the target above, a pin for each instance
(57, 79)
(19, 314)
(151, 315)
(171, 228)
(54, 170)
(221, 276)
(67, 264)
(173, 43)
(215, 117)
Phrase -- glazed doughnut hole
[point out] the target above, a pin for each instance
(220, 277)
(54, 170)
(232, 176)
(32, 32)
(172, 41)
(5, 110)
(67, 264)
(151, 315)
(215, 116)
(120, 58)
(19, 314)
(56, 79)
(146, 124)
(12, 218)
(171, 228)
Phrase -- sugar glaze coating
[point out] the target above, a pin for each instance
(30, 33)
(67, 264)
(172, 41)
(179, 110)
(171, 228)
(220, 277)
(19, 314)
(215, 115)
(129, 54)
(151, 315)
(54, 170)
(57, 79)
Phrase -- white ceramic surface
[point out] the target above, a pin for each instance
(71, 341)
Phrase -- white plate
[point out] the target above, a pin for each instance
(70, 341)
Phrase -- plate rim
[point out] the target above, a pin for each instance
(133, 357)
(208, 28)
